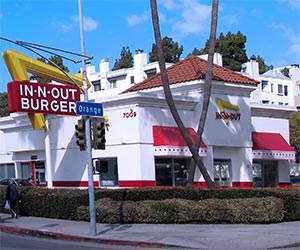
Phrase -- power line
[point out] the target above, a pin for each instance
(33, 47)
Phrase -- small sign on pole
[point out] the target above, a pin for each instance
(89, 109)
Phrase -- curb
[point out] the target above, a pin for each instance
(61, 236)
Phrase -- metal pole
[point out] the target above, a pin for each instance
(48, 154)
(93, 229)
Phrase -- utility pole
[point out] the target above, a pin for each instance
(93, 229)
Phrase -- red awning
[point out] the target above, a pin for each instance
(168, 140)
(271, 146)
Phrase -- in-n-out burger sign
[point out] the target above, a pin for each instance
(42, 98)
(19, 67)
(226, 116)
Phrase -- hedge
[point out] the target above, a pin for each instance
(249, 210)
(64, 203)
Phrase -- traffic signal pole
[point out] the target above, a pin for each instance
(93, 228)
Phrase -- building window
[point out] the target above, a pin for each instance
(113, 84)
(285, 90)
(24, 170)
(150, 72)
(272, 88)
(222, 172)
(132, 79)
(257, 174)
(280, 103)
(265, 102)
(97, 85)
(7, 170)
(107, 168)
(171, 171)
(264, 85)
(280, 89)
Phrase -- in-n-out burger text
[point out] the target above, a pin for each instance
(228, 116)
(42, 98)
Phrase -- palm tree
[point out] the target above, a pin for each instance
(207, 91)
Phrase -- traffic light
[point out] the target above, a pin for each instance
(80, 134)
(99, 134)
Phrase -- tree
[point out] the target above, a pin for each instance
(232, 49)
(286, 72)
(207, 90)
(171, 49)
(57, 60)
(261, 64)
(125, 61)
(3, 105)
(294, 130)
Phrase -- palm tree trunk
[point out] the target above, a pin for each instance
(169, 97)
(207, 86)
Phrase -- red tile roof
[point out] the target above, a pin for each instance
(190, 69)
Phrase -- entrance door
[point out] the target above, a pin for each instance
(222, 172)
(40, 173)
(265, 174)
(270, 174)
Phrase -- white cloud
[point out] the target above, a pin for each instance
(65, 27)
(187, 16)
(294, 3)
(169, 4)
(292, 38)
(135, 20)
(230, 20)
(89, 23)
(195, 17)
(294, 51)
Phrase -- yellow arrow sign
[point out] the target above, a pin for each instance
(19, 65)
(223, 104)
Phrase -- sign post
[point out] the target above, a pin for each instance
(93, 227)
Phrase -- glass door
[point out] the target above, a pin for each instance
(163, 172)
(40, 173)
(270, 173)
(222, 172)
(265, 173)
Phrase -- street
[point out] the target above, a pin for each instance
(17, 242)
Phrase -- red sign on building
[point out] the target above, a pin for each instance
(42, 98)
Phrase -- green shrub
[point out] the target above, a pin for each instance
(107, 211)
(250, 210)
(65, 203)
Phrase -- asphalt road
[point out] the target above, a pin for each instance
(17, 242)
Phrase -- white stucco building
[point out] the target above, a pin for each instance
(275, 88)
(244, 144)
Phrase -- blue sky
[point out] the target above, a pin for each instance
(272, 27)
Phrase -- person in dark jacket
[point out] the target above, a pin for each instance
(12, 196)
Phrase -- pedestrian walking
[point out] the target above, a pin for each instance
(12, 196)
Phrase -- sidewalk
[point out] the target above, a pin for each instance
(185, 236)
